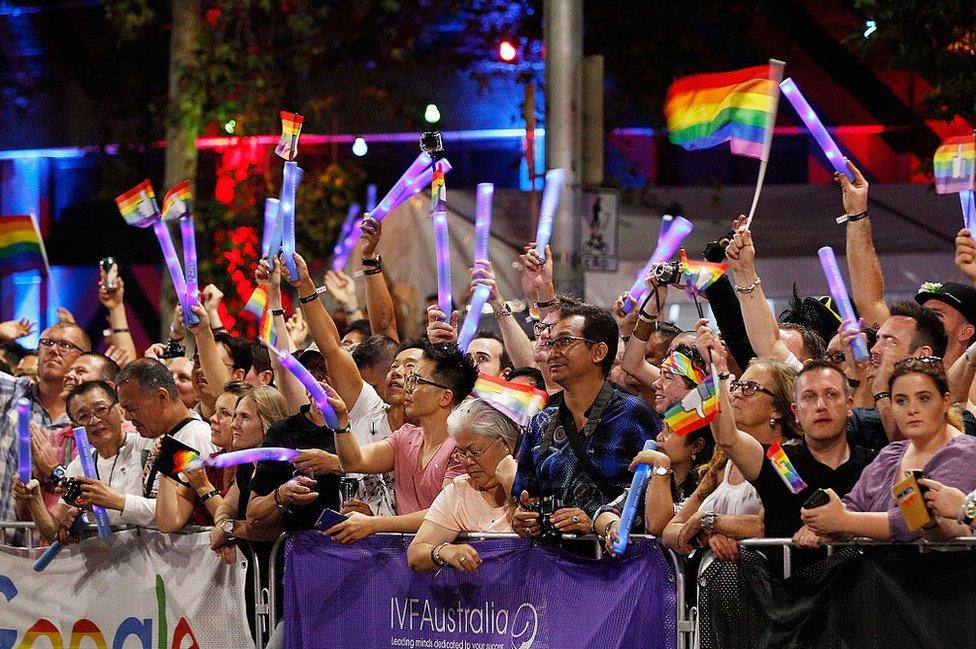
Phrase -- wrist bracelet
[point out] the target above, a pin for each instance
(851, 218)
(216, 329)
(503, 310)
(606, 530)
(375, 270)
(881, 395)
(344, 429)
(309, 298)
(375, 262)
(748, 289)
(120, 330)
(207, 496)
(435, 556)
(547, 304)
(277, 312)
(724, 375)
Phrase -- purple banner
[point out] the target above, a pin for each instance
(523, 596)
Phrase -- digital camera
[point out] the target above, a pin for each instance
(666, 273)
(545, 507)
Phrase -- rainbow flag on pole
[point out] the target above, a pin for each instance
(699, 275)
(177, 200)
(257, 305)
(954, 165)
(138, 205)
(784, 468)
(517, 401)
(291, 128)
(739, 107)
(21, 246)
(696, 409)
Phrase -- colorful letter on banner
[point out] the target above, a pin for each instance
(524, 595)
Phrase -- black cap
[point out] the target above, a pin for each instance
(960, 297)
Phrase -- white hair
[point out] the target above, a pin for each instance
(479, 417)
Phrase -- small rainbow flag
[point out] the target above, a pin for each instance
(21, 247)
(182, 460)
(785, 469)
(696, 409)
(176, 202)
(704, 110)
(438, 190)
(699, 275)
(291, 128)
(138, 205)
(678, 363)
(517, 401)
(257, 305)
(954, 165)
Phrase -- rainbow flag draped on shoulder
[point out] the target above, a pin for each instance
(21, 246)
(739, 107)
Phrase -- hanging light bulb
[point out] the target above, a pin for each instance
(359, 147)
(432, 114)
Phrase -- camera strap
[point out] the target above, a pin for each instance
(576, 438)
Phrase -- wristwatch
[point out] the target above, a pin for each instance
(57, 475)
(662, 470)
(227, 527)
(372, 262)
(708, 522)
(967, 513)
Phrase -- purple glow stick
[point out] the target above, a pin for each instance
(839, 292)
(637, 485)
(442, 248)
(286, 215)
(409, 178)
(423, 181)
(348, 236)
(88, 467)
(23, 440)
(55, 548)
(189, 236)
(319, 396)
(270, 228)
(249, 455)
(555, 179)
(815, 126)
(370, 197)
(667, 245)
(968, 202)
(175, 272)
(482, 232)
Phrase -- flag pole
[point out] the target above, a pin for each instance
(776, 73)
(52, 286)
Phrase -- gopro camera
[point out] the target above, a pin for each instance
(431, 142)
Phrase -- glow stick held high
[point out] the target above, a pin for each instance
(386, 205)
(305, 377)
(442, 241)
(348, 238)
(482, 232)
(175, 272)
(966, 198)
(815, 126)
(269, 246)
(85, 456)
(637, 485)
(370, 197)
(422, 182)
(555, 179)
(292, 176)
(24, 464)
(176, 207)
(843, 301)
(667, 245)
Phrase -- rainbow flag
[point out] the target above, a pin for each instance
(696, 409)
(517, 401)
(257, 305)
(438, 190)
(291, 128)
(21, 246)
(699, 275)
(182, 460)
(704, 110)
(791, 478)
(954, 165)
(138, 205)
(176, 202)
(678, 363)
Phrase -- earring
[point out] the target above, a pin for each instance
(772, 423)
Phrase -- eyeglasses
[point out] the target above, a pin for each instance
(542, 329)
(413, 379)
(473, 455)
(929, 361)
(63, 346)
(837, 358)
(748, 388)
(564, 342)
(196, 362)
(99, 412)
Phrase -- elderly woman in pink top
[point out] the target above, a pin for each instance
(475, 502)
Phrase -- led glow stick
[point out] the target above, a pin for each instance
(348, 237)
(637, 485)
(555, 179)
(482, 232)
(88, 467)
(408, 178)
(268, 241)
(815, 126)
(55, 548)
(314, 388)
(667, 245)
(441, 242)
(286, 215)
(370, 197)
(188, 234)
(968, 202)
(249, 455)
(23, 440)
(839, 292)
(175, 272)
(425, 179)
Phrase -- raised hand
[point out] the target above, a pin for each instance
(372, 231)
(11, 330)
(854, 194)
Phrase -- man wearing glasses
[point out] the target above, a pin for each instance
(579, 451)
(60, 345)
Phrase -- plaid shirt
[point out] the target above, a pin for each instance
(11, 390)
(627, 422)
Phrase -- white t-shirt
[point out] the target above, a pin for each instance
(195, 433)
(367, 424)
(123, 473)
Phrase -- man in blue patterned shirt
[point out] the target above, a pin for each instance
(579, 451)
(60, 346)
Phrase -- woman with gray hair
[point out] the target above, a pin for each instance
(476, 502)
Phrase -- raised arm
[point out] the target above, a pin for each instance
(634, 361)
(539, 274)
(290, 387)
(867, 280)
(118, 324)
(214, 370)
(379, 302)
(520, 349)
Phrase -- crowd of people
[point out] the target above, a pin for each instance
(415, 452)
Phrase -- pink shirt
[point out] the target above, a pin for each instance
(417, 487)
(462, 508)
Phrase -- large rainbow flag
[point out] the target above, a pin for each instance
(517, 401)
(954, 165)
(21, 246)
(739, 107)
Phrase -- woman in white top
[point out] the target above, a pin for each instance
(118, 463)
(475, 502)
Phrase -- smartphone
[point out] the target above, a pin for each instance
(111, 270)
(919, 474)
(908, 493)
(818, 498)
(329, 519)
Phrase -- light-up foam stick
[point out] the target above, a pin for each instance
(637, 485)
(23, 440)
(966, 198)
(555, 179)
(424, 180)
(269, 246)
(286, 214)
(667, 245)
(482, 232)
(409, 178)
(249, 455)
(348, 237)
(85, 456)
(838, 291)
(815, 126)
(305, 377)
(176, 206)
(441, 242)
(55, 548)
(370, 197)
(175, 272)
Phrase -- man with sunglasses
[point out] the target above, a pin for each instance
(579, 450)
(60, 345)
